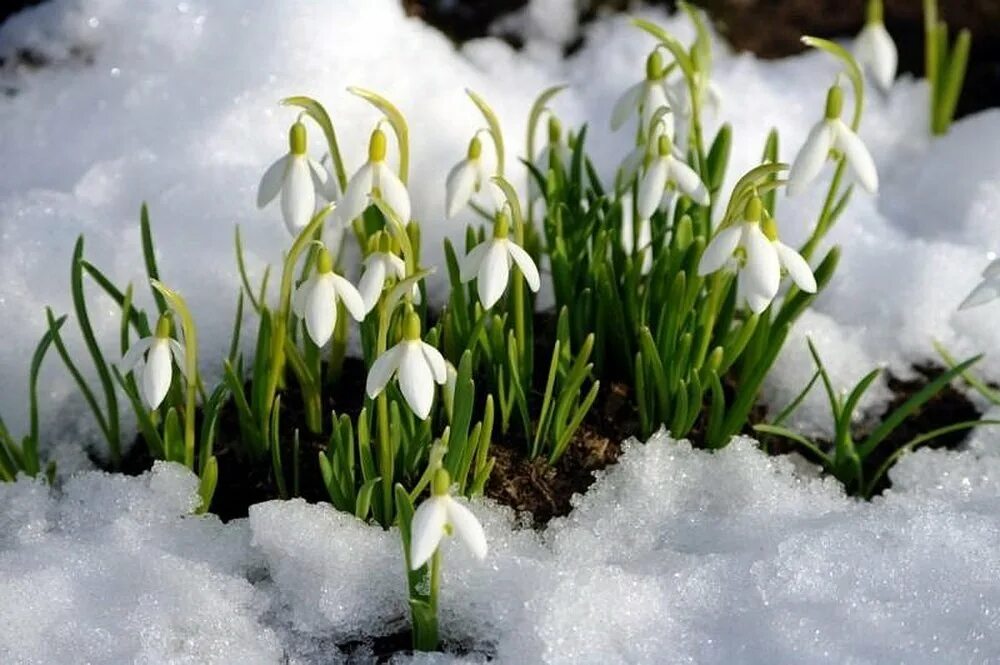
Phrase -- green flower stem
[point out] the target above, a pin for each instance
(435, 589)
(191, 366)
(826, 219)
(385, 461)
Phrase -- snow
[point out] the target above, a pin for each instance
(674, 555)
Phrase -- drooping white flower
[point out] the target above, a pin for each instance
(489, 263)
(440, 514)
(160, 352)
(468, 178)
(416, 365)
(988, 289)
(316, 299)
(663, 170)
(747, 249)
(875, 50)
(297, 177)
(636, 241)
(375, 176)
(381, 266)
(645, 97)
(832, 133)
(630, 167)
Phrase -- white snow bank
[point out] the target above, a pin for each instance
(176, 104)
(673, 556)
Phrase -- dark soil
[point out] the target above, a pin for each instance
(384, 648)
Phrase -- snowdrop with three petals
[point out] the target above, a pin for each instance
(316, 300)
(645, 97)
(297, 178)
(663, 170)
(417, 366)
(160, 352)
(441, 514)
(875, 50)
(374, 176)
(468, 178)
(489, 263)
(832, 133)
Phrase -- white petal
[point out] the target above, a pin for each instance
(349, 296)
(762, 269)
(719, 250)
(271, 181)
(301, 297)
(689, 182)
(630, 166)
(134, 354)
(459, 187)
(427, 529)
(628, 227)
(626, 105)
(298, 196)
(381, 371)
(471, 262)
(756, 300)
(493, 274)
(858, 157)
(393, 192)
(875, 49)
(797, 267)
(811, 157)
(655, 97)
(983, 293)
(180, 356)
(323, 181)
(372, 282)
(396, 266)
(467, 528)
(651, 188)
(157, 374)
(439, 368)
(525, 264)
(416, 381)
(321, 309)
(356, 198)
(992, 270)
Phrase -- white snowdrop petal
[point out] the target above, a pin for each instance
(992, 270)
(394, 192)
(471, 262)
(301, 297)
(985, 292)
(180, 356)
(321, 310)
(630, 166)
(157, 374)
(427, 529)
(349, 296)
(135, 354)
(439, 368)
(689, 182)
(719, 250)
(467, 528)
(493, 274)
(372, 282)
(626, 105)
(396, 266)
(382, 370)
(811, 157)
(459, 187)
(756, 300)
(762, 268)
(525, 264)
(356, 198)
(797, 267)
(858, 157)
(298, 196)
(651, 188)
(654, 97)
(886, 57)
(271, 181)
(324, 182)
(416, 381)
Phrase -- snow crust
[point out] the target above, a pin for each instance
(674, 556)
(176, 104)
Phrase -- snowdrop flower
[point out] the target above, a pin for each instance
(645, 97)
(466, 178)
(441, 514)
(874, 48)
(633, 241)
(380, 266)
(758, 257)
(316, 299)
(988, 289)
(680, 96)
(160, 351)
(417, 366)
(375, 176)
(543, 161)
(297, 177)
(664, 169)
(489, 263)
(832, 133)
(629, 169)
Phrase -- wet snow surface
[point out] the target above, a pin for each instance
(674, 556)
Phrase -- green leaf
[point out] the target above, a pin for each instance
(791, 435)
(494, 124)
(206, 487)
